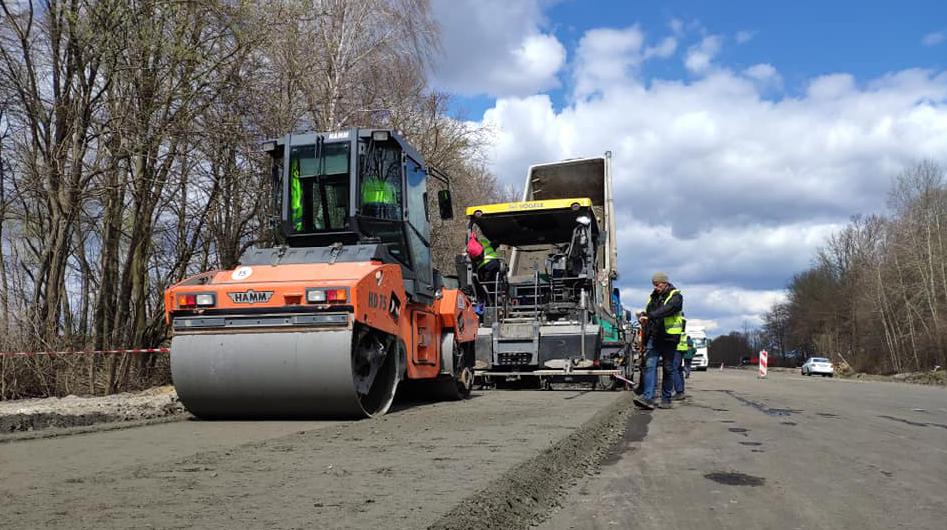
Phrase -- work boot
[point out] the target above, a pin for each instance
(680, 396)
(646, 404)
(665, 404)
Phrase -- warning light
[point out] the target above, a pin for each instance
(187, 300)
(327, 296)
(336, 295)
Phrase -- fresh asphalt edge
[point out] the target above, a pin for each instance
(529, 492)
(56, 425)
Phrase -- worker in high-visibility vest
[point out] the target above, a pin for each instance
(663, 321)
(484, 257)
(689, 357)
(380, 199)
(295, 197)
(681, 350)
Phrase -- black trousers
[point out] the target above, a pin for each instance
(487, 273)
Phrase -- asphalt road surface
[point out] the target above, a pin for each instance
(785, 452)
(403, 470)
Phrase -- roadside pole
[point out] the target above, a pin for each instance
(763, 356)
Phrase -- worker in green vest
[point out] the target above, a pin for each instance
(663, 322)
(689, 356)
(681, 350)
(295, 197)
(380, 198)
(484, 257)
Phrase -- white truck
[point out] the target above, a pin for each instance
(699, 338)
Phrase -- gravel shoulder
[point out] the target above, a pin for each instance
(30, 415)
(412, 468)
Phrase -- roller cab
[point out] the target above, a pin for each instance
(330, 323)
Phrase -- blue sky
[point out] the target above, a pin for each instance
(801, 38)
(743, 136)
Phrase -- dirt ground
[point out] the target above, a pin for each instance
(422, 465)
(70, 411)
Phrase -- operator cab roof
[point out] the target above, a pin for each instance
(344, 135)
(529, 223)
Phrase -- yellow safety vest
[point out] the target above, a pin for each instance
(377, 191)
(488, 253)
(296, 197)
(673, 324)
(682, 344)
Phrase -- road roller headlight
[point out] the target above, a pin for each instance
(315, 296)
(205, 300)
(328, 295)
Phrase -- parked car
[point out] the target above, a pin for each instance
(818, 366)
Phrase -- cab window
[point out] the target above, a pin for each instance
(380, 181)
(319, 188)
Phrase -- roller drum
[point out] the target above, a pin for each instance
(287, 374)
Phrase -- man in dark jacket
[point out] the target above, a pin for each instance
(663, 322)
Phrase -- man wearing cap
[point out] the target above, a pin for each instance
(663, 321)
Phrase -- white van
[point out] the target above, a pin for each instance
(699, 337)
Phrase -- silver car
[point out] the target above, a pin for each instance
(818, 366)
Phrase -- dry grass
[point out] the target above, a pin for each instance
(81, 374)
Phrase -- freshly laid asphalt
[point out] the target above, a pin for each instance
(783, 452)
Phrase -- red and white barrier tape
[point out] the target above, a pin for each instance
(82, 352)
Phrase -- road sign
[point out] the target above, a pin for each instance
(763, 356)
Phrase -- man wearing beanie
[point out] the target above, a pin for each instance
(663, 324)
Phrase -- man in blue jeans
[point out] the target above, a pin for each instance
(663, 322)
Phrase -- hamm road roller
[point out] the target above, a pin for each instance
(348, 308)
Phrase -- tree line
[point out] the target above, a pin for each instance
(875, 297)
(129, 154)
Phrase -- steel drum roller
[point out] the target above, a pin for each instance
(297, 374)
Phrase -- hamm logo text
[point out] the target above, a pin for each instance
(251, 297)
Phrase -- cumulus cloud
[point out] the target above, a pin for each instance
(604, 56)
(496, 48)
(935, 38)
(765, 74)
(699, 57)
(728, 191)
(663, 50)
(744, 36)
(732, 307)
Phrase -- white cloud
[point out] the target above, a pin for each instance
(726, 190)
(935, 38)
(699, 56)
(496, 47)
(765, 74)
(720, 309)
(605, 56)
(742, 37)
(665, 49)
(832, 86)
